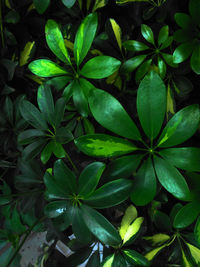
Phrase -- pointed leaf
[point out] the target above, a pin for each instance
(84, 37)
(157, 239)
(46, 68)
(133, 229)
(41, 6)
(111, 115)
(147, 33)
(108, 261)
(55, 40)
(182, 52)
(171, 179)
(142, 70)
(133, 45)
(132, 63)
(100, 67)
(195, 61)
(89, 178)
(56, 208)
(144, 184)
(33, 149)
(29, 136)
(117, 32)
(46, 153)
(151, 97)
(59, 111)
(195, 252)
(100, 226)
(110, 194)
(180, 127)
(68, 3)
(135, 258)
(102, 145)
(80, 101)
(94, 260)
(163, 35)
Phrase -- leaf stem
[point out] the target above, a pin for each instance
(71, 162)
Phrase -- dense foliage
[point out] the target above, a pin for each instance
(99, 131)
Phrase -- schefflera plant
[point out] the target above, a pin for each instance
(48, 135)
(72, 72)
(155, 158)
(73, 201)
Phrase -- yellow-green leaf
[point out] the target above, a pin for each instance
(157, 239)
(195, 252)
(170, 102)
(98, 4)
(7, 2)
(46, 68)
(129, 216)
(117, 32)
(185, 262)
(108, 261)
(133, 229)
(26, 53)
(121, 2)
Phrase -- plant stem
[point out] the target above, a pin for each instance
(24, 239)
(71, 162)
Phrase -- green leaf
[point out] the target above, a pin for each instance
(167, 43)
(102, 145)
(133, 45)
(147, 33)
(29, 136)
(16, 223)
(142, 70)
(162, 221)
(41, 6)
(33, 149)
(185, 261)
(197, 231)
(57, 208)
(171, 179)
(100, 226)
(110, 194)
(46, 68)
(132, 230)
(100, 67)
(152, 253)
(182, 52)
(94, 260)
(111, 115)
(108, 261)
(195, 61)
(79, 228)
(55, 41)
(63, 135)
(46, 152)
(184, 20)
(195, 252)
(79, 99)
(45, 102)
(121, 2)
(157, 239)
(26, 53)
(32, 115)
(65, 178)
(132, 63)
(58, 149)
(186, 215)
(194, 8)
(169, 60)
(151, 97)
(117, 32)
(180, 127)
(162, 67)
(59, 111)
(186, 158)
(89, 178)
(129, 216)
(8, 109)
(88, 126)
(135, 258)
(84, 37)
(163, 35)
(144, 184)
(68, 3)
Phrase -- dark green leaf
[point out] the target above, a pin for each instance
(186, 158)
(78, 257)
(41, 6)
(133, 45)
(80, 101)
(12, 17)
(94, 260)
(55, 41)
(194, 8)
(63, 135)
(100, 226)
(162, 221)
(58, 149)
(132, 63)
(46, 152)
(110, 194)
(57, 208)
(111, 115)
(118, 261)
(147, 33)
(59, 111)
(180, 127)
(163, 35)
(182, 52)
(33, 149)
(143, 69)
(197, 231)
(29, 136)
(135, 258)
(195, 59)
(171, 179)
(184, 20)
(144, 184)
(151, 97)
(89, 178)
(68, 3)
(102, 145)
(8, 109)
(100, 67)
(162, 67)
(169, 60)
(84, 37)
(88, 126)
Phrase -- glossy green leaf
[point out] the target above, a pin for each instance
(59, 82)
(68, 3)
(132, 230)
(171, 179)
(89, 178)
(79, 228)
(100, 67)
(59, 111)
(41, 6)
(195, 59)
(111, 115)
(152, 253)
(28, 136)
(184, 20)
(169, 60)
(119, 260)
(102, 145)
(32, 115)
(194, 8)
(100, 226)
(45, 102)
(162, 67)
(195, 253)
(33, 149)
(129, 216)
(79, 99)
(135, 258)
(46, 153)
(55, 40)
(46, 68)
(110, 194)
(180, 127)
(197, 231)
(58, 149)
(143, 69)
(151, 97)
(144, 184)
(117, 32)
(132, 63)
(167, 43)
(185, 261)
(183, 35)
(64, 177)
(186, 158)
(133, 45)
(88, 126)
(163, 35)
(182, 52)
(84, 37)
(57, 208)
(186, 215)
(147, 33)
